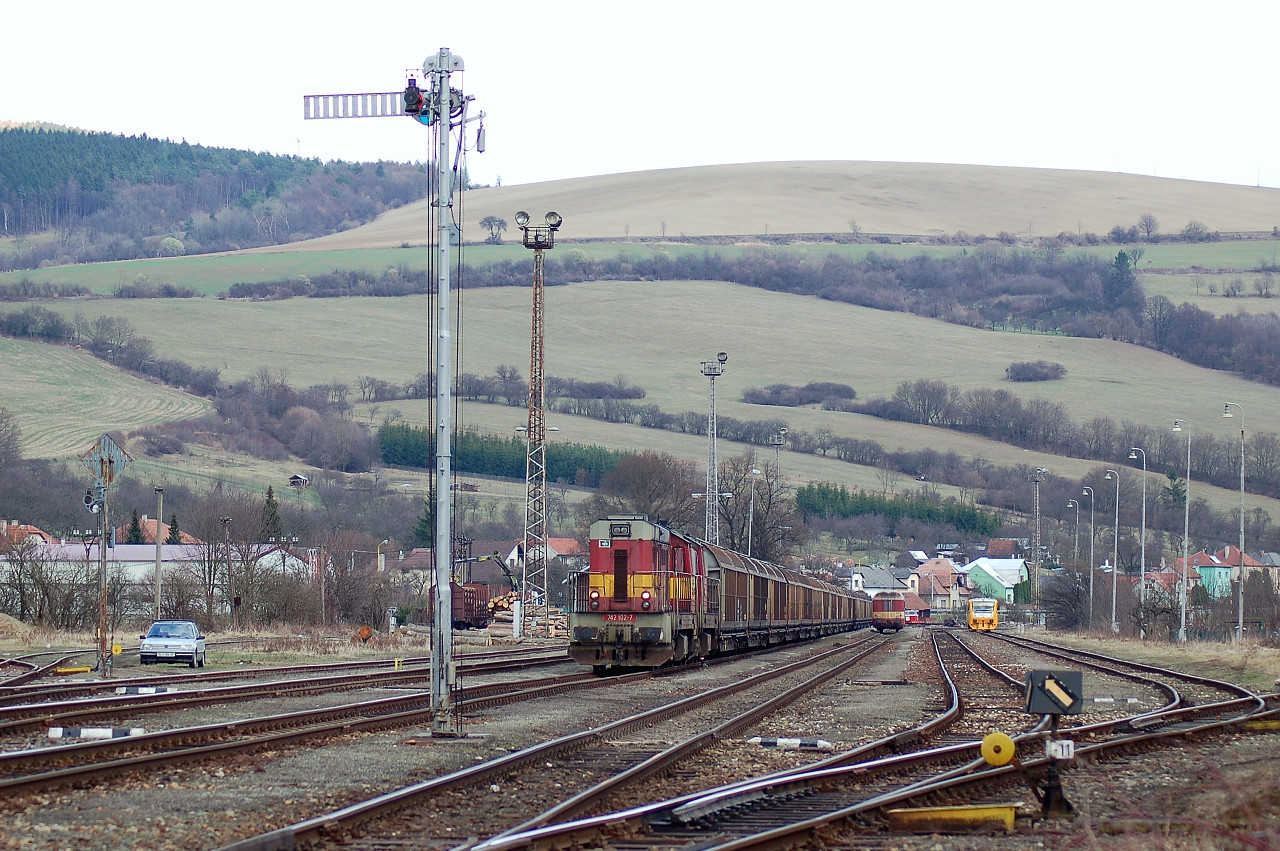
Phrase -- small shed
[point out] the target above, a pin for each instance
(297, 480)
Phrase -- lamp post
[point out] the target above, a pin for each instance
(534, 579)
(1088, 490)
(1179, 425)
(1226, 414)
(382, 565)
(777, 441)
(1075, 553)
(1142, 566)
(1115, 553)
(751, 512)
(712, 370)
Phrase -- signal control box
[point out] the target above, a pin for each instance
(1055, 692)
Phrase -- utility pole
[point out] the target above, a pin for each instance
(1036, 479)
(105, 460)
(159, 551)
(231, 580)
(534, 579)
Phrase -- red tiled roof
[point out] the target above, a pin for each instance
(1001, 548)
(21, 531)
(1230, 555)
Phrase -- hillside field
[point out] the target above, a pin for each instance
(63, 399)
(657, 333)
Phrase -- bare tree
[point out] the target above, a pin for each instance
(772, 531)
(1149, 225)
(496, 226)
(651, 483)
(10, 440)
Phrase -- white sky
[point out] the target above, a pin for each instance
(576, 88)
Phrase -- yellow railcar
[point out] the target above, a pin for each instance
(984, 614)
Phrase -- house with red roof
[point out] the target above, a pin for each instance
(13, 532)
(940, 583)
(149, 525)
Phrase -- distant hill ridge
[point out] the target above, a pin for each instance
(834, 197)
(113, 197)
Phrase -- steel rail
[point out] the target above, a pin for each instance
(291, 836)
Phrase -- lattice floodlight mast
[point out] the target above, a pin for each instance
(534, 576)
(442, 107)
(712, 370)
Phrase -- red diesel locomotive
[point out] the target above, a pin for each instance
(653, 596)
(888, 611)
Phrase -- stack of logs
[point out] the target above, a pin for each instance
(502, 623)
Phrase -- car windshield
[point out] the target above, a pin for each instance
(171, 630)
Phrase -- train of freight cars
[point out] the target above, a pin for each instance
(653, 596)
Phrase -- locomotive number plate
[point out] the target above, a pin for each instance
(617, 617)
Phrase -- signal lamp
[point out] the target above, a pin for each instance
(412, 98)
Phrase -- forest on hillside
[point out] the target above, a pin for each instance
(74, 197)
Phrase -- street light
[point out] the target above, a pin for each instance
(382, 567)
(1179, 425)
(751, 512)
(1142, 567)
(1088, 490)
(777, 441)
(1226, 414)
(712, 370)
(1075, 556)
(1115, 553)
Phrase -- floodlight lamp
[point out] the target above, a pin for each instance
(553, 219)
(722, 357)
(1177, 425)
(1107, 476)
(783, 431)
(1226, 412)
(522, 218)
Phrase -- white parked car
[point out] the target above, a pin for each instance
(172, 641)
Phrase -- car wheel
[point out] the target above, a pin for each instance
(201, 660)
(192, 663)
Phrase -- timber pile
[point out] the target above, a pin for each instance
(502, 625)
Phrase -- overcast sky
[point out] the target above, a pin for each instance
(576, 88)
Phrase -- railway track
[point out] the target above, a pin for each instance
(603, 760)
(844, 802)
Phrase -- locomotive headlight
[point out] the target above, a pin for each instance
(644, 599)
(595, 598)
(595, 595)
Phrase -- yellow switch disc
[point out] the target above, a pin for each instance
(997, 749)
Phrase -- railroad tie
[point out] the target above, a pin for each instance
(94, 732)
(791, 744)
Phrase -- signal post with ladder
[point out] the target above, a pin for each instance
(443, 108)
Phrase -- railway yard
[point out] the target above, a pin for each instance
(339, 754)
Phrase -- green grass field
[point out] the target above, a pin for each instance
(657, 333)
(211, 275)
(64, 400)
